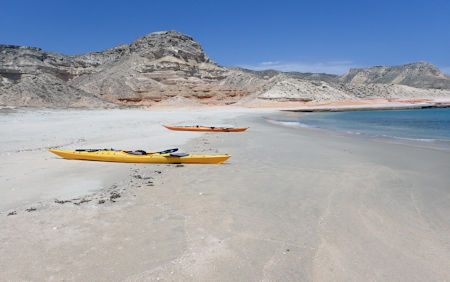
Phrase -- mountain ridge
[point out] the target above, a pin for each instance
(166, 64)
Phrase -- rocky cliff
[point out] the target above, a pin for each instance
(170, 66)
(420, 75)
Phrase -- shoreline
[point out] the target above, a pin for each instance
(412, 142)
(369, 108)
(294, 119)
(374, 105)
(289, 204)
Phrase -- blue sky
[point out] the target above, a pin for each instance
(316, 36)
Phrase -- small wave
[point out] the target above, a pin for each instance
(353, 132)
(291, 123)
(412, 139)
(386, 136)
(426, 140)
(7, 110)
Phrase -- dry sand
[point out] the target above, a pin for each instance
(28, 173)
(290, 204)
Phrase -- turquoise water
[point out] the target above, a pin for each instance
(424, 125)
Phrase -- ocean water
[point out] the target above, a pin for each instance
(430, 126)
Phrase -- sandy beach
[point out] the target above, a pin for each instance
(29, 173)
(289, 205)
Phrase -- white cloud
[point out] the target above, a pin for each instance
(332, 67)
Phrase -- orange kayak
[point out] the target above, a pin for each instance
(206, 128)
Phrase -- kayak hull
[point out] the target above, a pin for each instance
(122, 157)
(205, 128)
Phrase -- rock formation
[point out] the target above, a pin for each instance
(420, 75)
(169, 66)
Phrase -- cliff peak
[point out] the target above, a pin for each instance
(169, 43)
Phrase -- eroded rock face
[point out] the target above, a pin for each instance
(153, 68)
(169, 43)
(419, 75)
(171, 66)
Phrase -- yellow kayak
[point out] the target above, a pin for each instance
(139, 156)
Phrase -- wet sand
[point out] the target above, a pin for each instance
(290, 204)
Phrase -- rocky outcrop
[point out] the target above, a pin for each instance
(155, 67)
(284, 87)
(419, 75)
(170, 67)
(32, 77)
